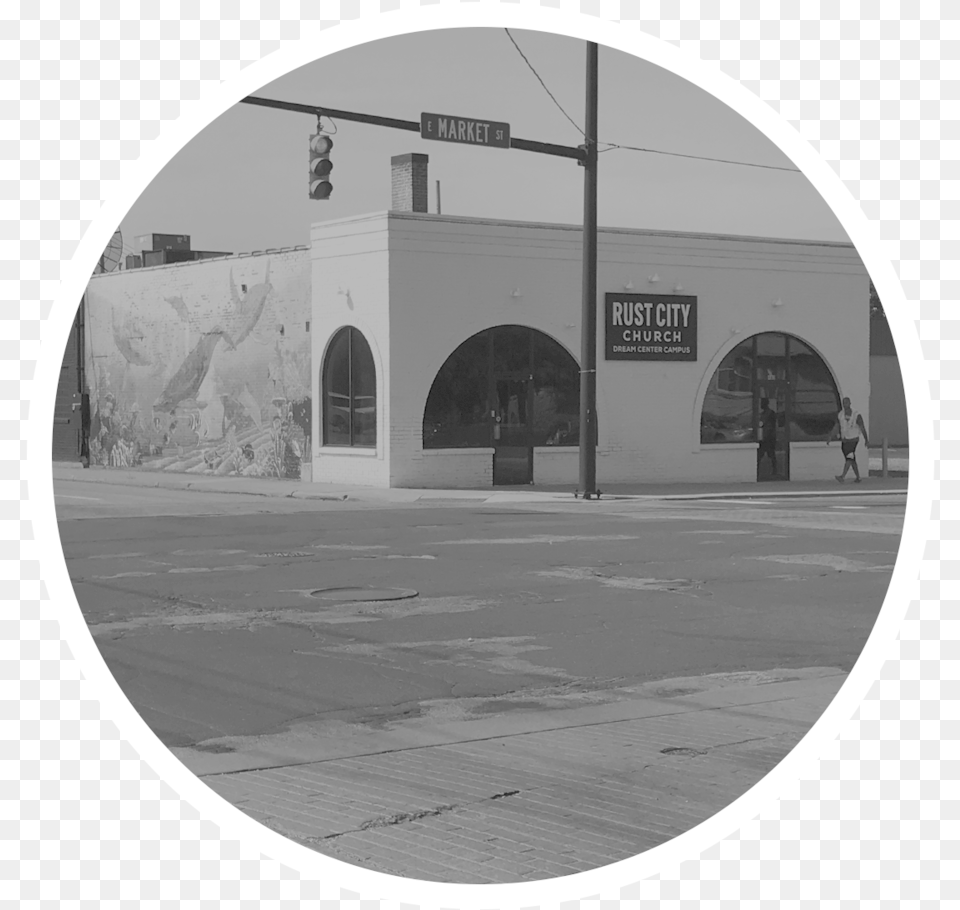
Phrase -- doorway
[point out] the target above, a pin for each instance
(772, 406)
(773, 431)
(513, 429)
(771, 391)
(509, 388)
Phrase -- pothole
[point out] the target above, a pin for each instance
(214, 748)
(347, 595)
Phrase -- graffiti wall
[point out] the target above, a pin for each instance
(202, 367)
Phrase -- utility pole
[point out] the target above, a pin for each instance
(457, 129)
(588, 319)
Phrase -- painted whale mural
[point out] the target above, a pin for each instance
(246, 312)
(175, 346)
(186, 382)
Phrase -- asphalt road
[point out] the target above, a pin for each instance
(244, 616)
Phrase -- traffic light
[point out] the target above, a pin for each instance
(320, 166)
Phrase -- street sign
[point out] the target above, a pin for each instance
(465, 130)
(650, 327)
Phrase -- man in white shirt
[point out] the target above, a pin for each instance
(851, 425)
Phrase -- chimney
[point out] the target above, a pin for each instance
(409, 183)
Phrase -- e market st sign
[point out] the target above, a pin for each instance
(467, 130)
(650, 327)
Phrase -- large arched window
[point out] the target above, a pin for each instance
(349, 391)
(780, 370)
(511, 382)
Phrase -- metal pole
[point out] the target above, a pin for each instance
(588, 326)
(439, 212)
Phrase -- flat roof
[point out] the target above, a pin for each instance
(188, 262)
(542, 225)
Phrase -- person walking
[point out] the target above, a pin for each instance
(851, 425)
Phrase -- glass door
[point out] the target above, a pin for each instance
(512, 430)
(772, 407)
(773, 431)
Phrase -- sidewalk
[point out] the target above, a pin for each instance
(523, 795)
(250, 486)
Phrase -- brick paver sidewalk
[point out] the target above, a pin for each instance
(541, 803)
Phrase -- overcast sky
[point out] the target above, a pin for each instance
(241, 184)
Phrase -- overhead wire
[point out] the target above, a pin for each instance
(544, 84)
(611, 146)
(633, 148)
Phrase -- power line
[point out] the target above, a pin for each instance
(634, 148)
(544, 84)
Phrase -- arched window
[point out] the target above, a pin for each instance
(781, 370)
(510, 384)
(349, 392)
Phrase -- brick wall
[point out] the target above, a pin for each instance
(409, 183)
(203, 367)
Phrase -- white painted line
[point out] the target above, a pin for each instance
(124, 575)
(391, 556)
(208, 552)
(347, 546)
(85, 498)
(115, 556)
(573, 538)
(745, 502)
(708, 531)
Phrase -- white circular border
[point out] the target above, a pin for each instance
(800, 764)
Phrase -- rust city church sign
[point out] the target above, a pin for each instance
(650, 327)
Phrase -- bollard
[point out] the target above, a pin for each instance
(883, 457)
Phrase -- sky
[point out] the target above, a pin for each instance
(241, 184)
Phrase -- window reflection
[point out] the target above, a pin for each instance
(771, 366)
(556, 395)
(349, 392)
(815, 400)
(512, 372)
(728, 406)
(457, 411)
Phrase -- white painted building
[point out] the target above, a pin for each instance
(781, 330)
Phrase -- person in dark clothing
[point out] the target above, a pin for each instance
(768, 434)
(85, 429)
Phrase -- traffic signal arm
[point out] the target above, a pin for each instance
(413, 126)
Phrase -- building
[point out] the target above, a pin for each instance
(447, 353)
(888, 403)
(412, 349)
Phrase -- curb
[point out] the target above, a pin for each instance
(69, 470)
(784, 494)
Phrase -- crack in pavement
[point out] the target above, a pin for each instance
(386, 821)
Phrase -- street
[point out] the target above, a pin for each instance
(478, 691)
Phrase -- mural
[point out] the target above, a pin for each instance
(193, 371)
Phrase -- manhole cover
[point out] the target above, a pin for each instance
(342, 595)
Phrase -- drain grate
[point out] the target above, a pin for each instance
(343, 595)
